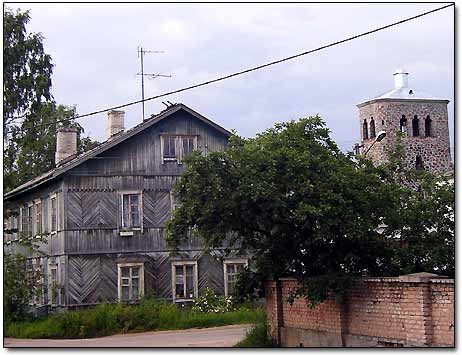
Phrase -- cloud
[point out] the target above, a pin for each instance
(94, 47)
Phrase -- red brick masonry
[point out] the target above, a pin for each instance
(410, 310)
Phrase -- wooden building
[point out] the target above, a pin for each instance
(104, 213)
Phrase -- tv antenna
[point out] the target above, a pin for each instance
(141, 53)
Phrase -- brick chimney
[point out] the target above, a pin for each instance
(115, 123)
(66, 143)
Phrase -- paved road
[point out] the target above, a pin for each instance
(225, 336)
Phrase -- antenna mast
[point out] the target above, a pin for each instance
(141, 54)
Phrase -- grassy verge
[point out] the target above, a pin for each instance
(108, 319)
(257, 337)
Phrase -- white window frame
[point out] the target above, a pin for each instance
(38, 203)
(179, 152)
(173, 204)
(21, 216)
(119, 279)
(30, 219)
(195, 280)
(53, 266)
(140, 210)
(242, 261)
(50, 211)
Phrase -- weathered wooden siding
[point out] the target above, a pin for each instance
(54, 244)
(109, 241)
(141, 154)
(93, 278)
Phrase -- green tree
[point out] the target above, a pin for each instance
(27, 68)
(293, 199)
(423, 229)
(30, 115)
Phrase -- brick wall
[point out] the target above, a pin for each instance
(410, 310)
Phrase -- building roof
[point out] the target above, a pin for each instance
(76, 160)
(402, 91)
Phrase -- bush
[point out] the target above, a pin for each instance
(257, 337)
(211, 303)
(107, 319)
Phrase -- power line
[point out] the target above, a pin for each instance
(255, 68)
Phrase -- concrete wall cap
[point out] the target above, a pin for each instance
(420, 277)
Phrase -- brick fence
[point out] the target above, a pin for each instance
(409, 310)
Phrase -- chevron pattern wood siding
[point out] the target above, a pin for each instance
(93, 278)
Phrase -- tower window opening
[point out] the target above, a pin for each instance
(403, 125)
(365, 132)
(428, 127)
(372, 130)
(415, 127)
(419, 165)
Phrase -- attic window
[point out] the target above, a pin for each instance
(177, 147)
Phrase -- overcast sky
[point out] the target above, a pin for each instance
(94, 49)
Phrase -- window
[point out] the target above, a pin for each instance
(415, 127)
(231, 269)
(365, 133)
(188, 145)
(419, 165)
(403, 125)
(131, 210)
(30, 218)
(130, 281)
(372, 125)
(176, 147)
(24, 220)
(38, 217)
(53, 215)
(169, 148)
(53, 287)
(174, 203)
(184, 280)
(428, 127)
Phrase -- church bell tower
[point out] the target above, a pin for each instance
(422, 119)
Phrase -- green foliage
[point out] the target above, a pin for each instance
(27, 68)
(423, 227)
(305, 209)
(19, 287)
(107, 319)
(291, 197)
(248, 287)
(257, 337)
(209, 302)
(29, 113)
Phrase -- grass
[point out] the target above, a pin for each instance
(257, 337)
(108, 319)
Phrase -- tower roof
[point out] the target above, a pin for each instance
(402, 90)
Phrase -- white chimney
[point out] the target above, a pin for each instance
(66, 143)
(400, 76)
(115, 123)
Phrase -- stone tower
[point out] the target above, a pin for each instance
(423, 119)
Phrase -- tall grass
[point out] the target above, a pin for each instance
(107, 319)
(257, 337)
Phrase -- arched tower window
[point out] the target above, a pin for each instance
(419, 165)
(365, 133)
(428, 127)
(415, 127)
(403, 125)
(372, 125)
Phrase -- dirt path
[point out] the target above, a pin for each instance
(225, 336)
